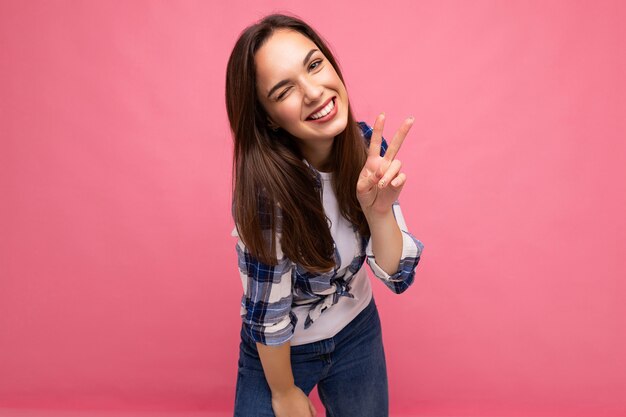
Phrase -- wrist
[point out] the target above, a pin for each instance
(284, 391)
(374, 216)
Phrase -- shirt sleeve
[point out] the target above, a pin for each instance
(267, 296)
(411, 253)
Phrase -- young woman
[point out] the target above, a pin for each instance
(315, 197)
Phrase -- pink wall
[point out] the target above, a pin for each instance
(118, 281)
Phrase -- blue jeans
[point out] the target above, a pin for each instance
(349, 371)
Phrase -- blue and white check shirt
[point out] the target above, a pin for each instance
(270, 291)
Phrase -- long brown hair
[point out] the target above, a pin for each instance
(273, 189)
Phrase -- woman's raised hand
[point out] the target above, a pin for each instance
(380, 180)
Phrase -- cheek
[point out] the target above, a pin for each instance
(338, 85)
(288, 112)
(332, 75)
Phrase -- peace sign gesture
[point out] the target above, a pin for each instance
(380, 180)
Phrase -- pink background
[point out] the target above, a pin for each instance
(118, 280)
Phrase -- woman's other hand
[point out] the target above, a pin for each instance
(293, 403)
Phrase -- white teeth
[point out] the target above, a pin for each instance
(324, 111)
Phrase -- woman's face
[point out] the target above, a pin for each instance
(299, 88)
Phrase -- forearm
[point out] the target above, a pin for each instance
(276, 361)
(386, 239)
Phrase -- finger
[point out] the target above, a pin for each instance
(366, 182)
(377, 136)
(390, 173)
(382, 168)
(398, 138)
(399, 180)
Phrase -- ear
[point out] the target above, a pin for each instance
(272, 125)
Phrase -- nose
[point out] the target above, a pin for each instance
(311, 91)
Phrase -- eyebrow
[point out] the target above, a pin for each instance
(283, 82)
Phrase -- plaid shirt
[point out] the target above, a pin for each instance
(270, 291)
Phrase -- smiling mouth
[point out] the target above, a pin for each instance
(323, 110)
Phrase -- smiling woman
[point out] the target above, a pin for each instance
(315, 197)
